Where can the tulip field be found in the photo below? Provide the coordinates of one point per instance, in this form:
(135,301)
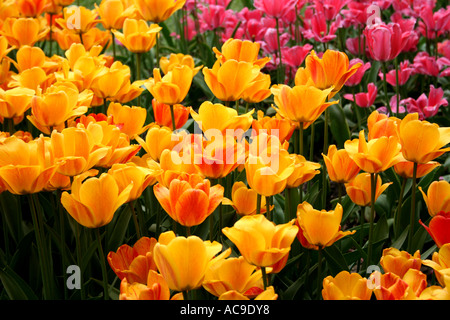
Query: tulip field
(224,150)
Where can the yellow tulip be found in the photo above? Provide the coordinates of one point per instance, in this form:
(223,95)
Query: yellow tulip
(399,262)
(268,294)
(130,119)
(303,171)
(302,103)
(243,199)
(178,59)
(229,80)
(274,125)
(83,203)
(114,12)
(241,50)
(217,119)
(359,189)
(183,261)
(320,228)
(421,140)
(261,242)
(137,36)
(78,19)
(158,10)
(376,155)
(23,31)
(437,197)
(259,90)
(341,168)
(440,263)
(15,102)
(405,168)
(111,81)
(346,286)
(31,8)
(173,87)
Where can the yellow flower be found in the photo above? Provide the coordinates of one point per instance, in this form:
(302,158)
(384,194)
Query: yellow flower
(130,119)
(346,286)
(421,140)
(241,50)
(303,171)
(261,242)
(158,10)
(83,203)
(321,228)
(114,12)
(341,168)
(440,263)
(399,262)
(137,36)
(78,19)
(183,261)
(23,31)
(359,189)
(111,81)
(437,197)
(178,59)
(243,199)
(15,102)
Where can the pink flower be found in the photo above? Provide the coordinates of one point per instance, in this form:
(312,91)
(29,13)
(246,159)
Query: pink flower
(363,99)
(407,25)
(319,29)
(393,105)
(427,106)
(426,64)
(212,17)
(330,8)
(356,14)
(385,41)
(434,24)
(353,44)
(404,72)
(444,48)
(294,56)
(356,78)
(275,8)
(270,42)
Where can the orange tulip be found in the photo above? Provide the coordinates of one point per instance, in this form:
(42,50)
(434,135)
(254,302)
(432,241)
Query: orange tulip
(178,59)
(438,228)
(376,155)
(31,8)
(359,189)
(405,168)
(440,263)
(130,119)
(261,242)
(399,262)
(437,197)
(158,10)
(83,205)
(346,286)
(173,164)
(173,87)
(341,168)
(137,36)
(191,192)
(183,261)
(422,141)
(243,199)
(229,80)
(15,102)
(320,228)
(268,294)
(23,31)
(391,287)
(241,50)
(78,19)
(302,103)
(111,81)
(330,71)
(114,12)
(163,117)
(23,169)
(259,90)
(303,171)
(380,125)
(283,128)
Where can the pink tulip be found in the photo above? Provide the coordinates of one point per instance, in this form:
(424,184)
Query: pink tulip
(427,65)
(294,56)
(393,106)
(363,99)
(357,46)
(330,8)
(212,17)
(275,8)
(407,25)
(356,78)
(319,29)
(427,106)
(434,24)
(405,71)
(385,41)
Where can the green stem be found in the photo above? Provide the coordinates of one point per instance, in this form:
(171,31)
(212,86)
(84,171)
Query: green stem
(399,207)
(311,146)
(258,204)
(319,273)
(386,97)
(103,263)
(280,65)
(373,179)
(268,207)
(264,277)
(186,295)
(78,245)
(172,114)
(361,237)
(300,138)
(63,236)
(138,73)
(135,219)
(113,45)
(413,208)
(397,86)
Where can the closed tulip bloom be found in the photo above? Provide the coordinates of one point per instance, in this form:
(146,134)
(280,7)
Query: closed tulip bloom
(158,10)
(243,199)
(173,87)
(173,164)
(23,31)
(405,168)
(241,50)
(15,102)
(259,90)
(183,261)
(282,127)
(31,8)
(438,228)
(229,80)
(74,150)
(83,202)
(141,177)
(109,83)
(261,242)
(341,168)
(130,119)
(137,36)
(440,263)
(217,117)
(346,286)
(359,189)
(191,192)
(114,12)
(302,103)
(233,274)
(178,59)
(320,228)
(163,117)
(85,19)
(380,125)
(376,155)
(155,288)
(330,71)
(399,262)
(59,103)
(159,138)
(437,197)
(23,169)
(303,171)
(385,41)
(422,141)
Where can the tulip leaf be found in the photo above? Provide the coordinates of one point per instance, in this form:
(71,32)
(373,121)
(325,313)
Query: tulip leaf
(335,259)
(338,125)
(15,287)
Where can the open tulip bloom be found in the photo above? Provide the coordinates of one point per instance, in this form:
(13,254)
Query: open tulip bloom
(224,150)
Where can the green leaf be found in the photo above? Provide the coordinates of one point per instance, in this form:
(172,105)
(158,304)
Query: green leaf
(338,125)
(335,259)
(15,286)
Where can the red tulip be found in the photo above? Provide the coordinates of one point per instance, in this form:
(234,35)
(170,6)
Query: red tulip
(438,228)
